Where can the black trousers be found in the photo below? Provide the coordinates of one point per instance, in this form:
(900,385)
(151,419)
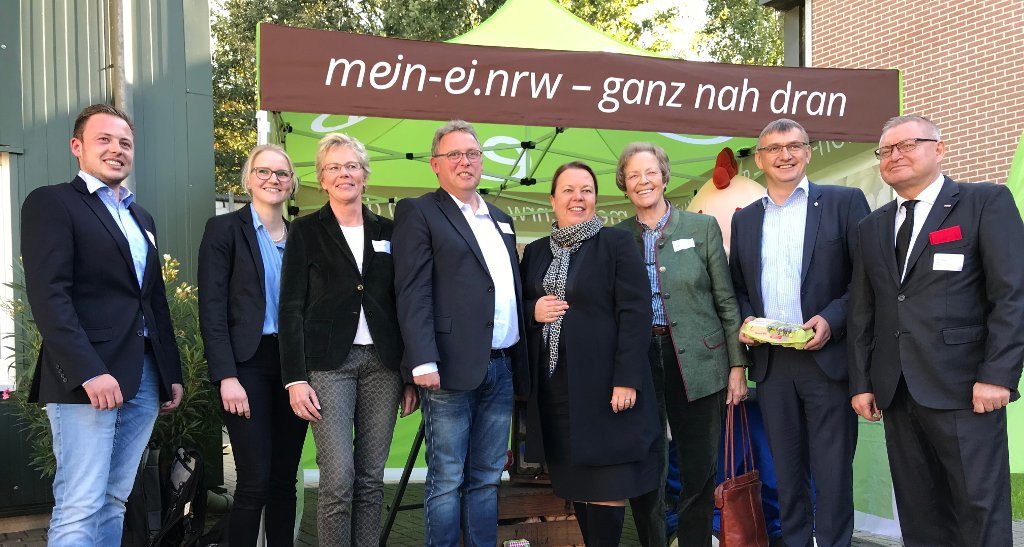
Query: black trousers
(697,429)
(950,472)
(812,432)
(267,447)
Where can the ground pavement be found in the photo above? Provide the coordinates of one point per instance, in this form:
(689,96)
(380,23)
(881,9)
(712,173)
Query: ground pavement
(408,529)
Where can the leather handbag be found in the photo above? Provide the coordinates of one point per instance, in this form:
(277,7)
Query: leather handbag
(739,497)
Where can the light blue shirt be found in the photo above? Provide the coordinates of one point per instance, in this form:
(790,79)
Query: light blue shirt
(782,253)
(118,209)
(651,237)
(123,218)
(271,253)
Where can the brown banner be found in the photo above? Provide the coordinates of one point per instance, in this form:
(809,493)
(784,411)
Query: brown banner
(304,70)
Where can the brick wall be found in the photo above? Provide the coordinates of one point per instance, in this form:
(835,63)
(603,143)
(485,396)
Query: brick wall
(962,64)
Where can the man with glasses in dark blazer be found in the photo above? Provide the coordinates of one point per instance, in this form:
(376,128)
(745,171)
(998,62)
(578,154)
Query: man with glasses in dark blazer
(791,260)
(458,292)
(936,339)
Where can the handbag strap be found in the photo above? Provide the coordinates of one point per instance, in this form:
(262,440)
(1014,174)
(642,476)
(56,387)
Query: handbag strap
(746,441)
(746,444)
(730,446)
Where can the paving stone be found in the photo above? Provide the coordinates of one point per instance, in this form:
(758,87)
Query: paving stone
(408,528)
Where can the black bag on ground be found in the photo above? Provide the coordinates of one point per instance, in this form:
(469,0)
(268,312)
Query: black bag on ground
(184,501)
(144,508)
(218,534)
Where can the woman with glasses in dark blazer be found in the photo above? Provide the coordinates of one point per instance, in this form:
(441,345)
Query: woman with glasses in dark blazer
(239,282)
(340,343)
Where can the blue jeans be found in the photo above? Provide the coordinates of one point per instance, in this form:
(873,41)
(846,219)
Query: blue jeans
(467,440)
(98,454)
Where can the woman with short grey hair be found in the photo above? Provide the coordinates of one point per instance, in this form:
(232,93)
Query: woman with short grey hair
(695,356)
(340,343)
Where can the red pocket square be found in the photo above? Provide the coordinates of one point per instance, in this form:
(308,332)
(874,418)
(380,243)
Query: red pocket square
(945,235)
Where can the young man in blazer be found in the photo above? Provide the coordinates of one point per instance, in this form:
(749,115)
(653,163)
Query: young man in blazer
(937,304)
(458,293)
(791,259)
(109,356)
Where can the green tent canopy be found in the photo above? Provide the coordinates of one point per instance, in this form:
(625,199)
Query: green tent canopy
(1015,178)
(542,24)
(1015,412)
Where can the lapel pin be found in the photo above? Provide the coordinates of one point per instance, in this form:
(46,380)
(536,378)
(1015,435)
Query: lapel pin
(948,205)
(815,203)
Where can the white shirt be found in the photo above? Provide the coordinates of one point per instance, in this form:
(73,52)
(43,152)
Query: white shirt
(492,245)
(925,201)
(354,238)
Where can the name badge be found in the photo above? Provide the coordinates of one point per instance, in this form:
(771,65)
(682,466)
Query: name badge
(506,228)
(381,246)
(947,262)
(152,238)
(680,244)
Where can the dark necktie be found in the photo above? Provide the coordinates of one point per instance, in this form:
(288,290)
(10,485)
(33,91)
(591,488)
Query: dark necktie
(903,236)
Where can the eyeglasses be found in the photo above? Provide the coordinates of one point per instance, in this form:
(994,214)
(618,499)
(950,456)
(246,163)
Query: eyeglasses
(337,168)
(455,156)
(264,173)
(776,149)
(905,147)
(650,174)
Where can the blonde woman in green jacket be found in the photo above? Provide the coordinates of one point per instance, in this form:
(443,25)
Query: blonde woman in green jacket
(696,358)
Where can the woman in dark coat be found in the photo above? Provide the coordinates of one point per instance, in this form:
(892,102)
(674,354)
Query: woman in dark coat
(592,417)
(340,344)
(239,278)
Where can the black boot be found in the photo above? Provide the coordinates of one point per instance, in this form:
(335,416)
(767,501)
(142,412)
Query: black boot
(580,509)
(603,525)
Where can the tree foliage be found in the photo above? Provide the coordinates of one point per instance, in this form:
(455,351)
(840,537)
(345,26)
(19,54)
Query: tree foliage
(742,32)
(234,51)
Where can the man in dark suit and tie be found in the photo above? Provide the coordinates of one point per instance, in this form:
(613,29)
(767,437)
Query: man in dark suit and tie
(791,261)
(936,339)
(109,356)
(458,292)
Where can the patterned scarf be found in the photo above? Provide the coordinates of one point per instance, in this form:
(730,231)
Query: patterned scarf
(564,242)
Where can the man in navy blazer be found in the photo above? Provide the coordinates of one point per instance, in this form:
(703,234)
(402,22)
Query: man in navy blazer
(458,292)
(791,260)
(109,355)
(937,304)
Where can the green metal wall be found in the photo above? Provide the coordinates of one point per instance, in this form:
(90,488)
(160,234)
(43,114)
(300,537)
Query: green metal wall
(54,61)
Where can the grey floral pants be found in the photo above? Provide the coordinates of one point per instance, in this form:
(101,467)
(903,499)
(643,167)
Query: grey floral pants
(359,404)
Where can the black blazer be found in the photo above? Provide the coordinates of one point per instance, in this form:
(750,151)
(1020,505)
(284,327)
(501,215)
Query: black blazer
(322,291)
(446,294)
(85,296)
(829,237)
(942,330)
(232,292)
(605,337)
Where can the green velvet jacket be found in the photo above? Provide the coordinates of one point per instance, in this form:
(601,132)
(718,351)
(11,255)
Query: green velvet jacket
(700,306)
